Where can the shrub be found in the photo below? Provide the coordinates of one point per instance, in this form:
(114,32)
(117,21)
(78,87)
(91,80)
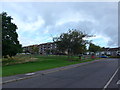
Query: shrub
(17,60)
(114,56)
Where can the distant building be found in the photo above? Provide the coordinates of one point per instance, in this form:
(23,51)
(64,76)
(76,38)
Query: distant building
(51,48)
(111,51)
(29,49)
(45,48)
(107,51)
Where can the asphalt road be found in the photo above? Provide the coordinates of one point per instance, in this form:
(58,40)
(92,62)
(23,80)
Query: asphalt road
(93,75)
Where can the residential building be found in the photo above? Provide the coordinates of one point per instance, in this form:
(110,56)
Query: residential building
(45,48)
(111,51)
(51,48)
(107,51)
(30,49)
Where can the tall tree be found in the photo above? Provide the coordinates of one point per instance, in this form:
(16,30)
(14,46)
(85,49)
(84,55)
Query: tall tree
(0,36)
(35,49)
(72,42)
(10,43)
(94,48)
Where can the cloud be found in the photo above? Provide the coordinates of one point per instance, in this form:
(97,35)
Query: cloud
(30,25)
(38,21)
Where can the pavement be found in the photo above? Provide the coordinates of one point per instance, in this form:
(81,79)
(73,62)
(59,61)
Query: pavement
(40,73)
(95,74)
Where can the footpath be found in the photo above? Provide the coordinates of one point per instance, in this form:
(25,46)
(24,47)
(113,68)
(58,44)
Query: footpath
(40,73)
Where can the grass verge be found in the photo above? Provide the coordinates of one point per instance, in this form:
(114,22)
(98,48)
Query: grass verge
(43,63)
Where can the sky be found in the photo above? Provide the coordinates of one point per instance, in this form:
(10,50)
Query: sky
(39,22)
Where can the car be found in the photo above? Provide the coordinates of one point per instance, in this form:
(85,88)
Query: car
(103,56)
(27,53)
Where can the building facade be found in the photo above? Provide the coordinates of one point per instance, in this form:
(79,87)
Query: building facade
(45,48)
(107,51)
(51,48)
(111,51)
(30,49)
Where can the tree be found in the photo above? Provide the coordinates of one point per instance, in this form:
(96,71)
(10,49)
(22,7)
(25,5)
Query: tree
(0,36)
(94,48)
(72,42)
(10,43)
(35,50)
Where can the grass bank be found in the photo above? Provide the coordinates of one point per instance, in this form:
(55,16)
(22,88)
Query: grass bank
(42,63)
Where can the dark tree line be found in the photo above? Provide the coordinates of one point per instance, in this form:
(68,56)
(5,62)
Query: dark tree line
(10,43)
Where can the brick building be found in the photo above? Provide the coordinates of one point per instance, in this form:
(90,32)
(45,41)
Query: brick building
(47,48)
(30,49)
(44,48)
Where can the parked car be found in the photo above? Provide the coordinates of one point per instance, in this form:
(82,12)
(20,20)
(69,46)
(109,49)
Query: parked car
(103,56)
(27,53)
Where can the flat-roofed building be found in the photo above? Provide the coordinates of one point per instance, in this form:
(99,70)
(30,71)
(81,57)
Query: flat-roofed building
(44,48)
(30,49)
(111,51)
(47,48)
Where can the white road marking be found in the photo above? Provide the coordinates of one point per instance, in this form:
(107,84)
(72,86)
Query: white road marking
(110,79)
(29,73)
(118,82)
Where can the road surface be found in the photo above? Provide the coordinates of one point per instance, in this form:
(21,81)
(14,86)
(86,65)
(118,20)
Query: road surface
(101,74)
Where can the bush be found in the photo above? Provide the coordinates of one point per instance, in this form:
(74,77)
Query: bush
(17,60)
(114,57)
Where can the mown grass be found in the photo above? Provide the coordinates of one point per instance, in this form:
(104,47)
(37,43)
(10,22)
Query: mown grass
(42,63)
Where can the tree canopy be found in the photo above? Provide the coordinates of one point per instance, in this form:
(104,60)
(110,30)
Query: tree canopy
(73,42)
(35,50)
(94,48)
(10,43)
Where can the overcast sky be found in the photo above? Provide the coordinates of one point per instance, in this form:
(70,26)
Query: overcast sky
(38,22)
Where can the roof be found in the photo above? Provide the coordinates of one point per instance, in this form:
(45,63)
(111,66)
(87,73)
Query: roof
(110,49)
(39,44)
(46,43)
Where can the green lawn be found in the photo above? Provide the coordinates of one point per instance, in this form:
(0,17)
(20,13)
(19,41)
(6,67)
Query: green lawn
(43,62)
